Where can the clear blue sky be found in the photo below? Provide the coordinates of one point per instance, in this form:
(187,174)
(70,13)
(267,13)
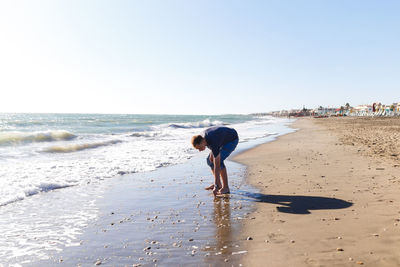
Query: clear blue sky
(196,57)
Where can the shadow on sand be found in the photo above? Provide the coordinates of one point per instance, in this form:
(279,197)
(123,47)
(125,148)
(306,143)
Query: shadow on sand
(295,204)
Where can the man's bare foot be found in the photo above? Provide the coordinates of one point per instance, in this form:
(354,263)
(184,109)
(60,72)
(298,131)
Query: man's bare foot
(211,187)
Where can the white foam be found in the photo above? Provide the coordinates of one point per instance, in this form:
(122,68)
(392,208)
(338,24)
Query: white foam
(37,228)
(19,190)
(143,134)
(78,147)
(199,124)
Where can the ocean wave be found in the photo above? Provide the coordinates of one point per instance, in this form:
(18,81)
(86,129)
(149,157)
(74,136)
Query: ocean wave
(199,124)
(45,187)
(11,138)
(246,139)
(79,147)
(143,134)
(34,190)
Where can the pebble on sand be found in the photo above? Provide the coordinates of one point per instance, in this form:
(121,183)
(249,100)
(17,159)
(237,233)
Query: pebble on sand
(340,249)
(249,238)
(97,263)
(239,252)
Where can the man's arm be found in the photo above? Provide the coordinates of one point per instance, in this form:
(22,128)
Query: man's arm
(217,170)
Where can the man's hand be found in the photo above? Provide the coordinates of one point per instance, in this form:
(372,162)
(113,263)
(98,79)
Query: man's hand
(223,190)
(215,191)
(217,170)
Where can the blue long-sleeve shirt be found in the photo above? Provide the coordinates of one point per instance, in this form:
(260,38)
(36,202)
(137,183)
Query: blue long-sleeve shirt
(218,136)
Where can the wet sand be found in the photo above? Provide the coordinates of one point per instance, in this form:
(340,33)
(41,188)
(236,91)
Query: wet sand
(326,197)
(168,219)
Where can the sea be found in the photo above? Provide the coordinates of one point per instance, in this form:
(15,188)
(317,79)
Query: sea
(50,164)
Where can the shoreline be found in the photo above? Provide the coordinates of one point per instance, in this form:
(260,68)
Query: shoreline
(321,202)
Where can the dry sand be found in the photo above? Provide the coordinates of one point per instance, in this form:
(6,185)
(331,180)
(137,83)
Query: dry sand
(330,195)
(375,137)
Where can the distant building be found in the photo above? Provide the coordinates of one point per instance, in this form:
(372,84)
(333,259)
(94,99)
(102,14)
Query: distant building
(375,109)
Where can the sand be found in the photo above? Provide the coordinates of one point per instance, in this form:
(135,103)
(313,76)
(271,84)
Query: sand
(329,195)
(375,137)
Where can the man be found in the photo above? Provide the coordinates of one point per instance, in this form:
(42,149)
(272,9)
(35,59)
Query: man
(221,141)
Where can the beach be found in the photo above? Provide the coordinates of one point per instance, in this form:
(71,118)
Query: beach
(313,192)
(328,195)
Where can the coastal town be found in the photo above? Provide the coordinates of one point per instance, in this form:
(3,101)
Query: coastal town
(371,110)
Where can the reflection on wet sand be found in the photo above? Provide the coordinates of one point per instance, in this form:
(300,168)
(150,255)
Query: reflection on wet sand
(222,220)
(220,253)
